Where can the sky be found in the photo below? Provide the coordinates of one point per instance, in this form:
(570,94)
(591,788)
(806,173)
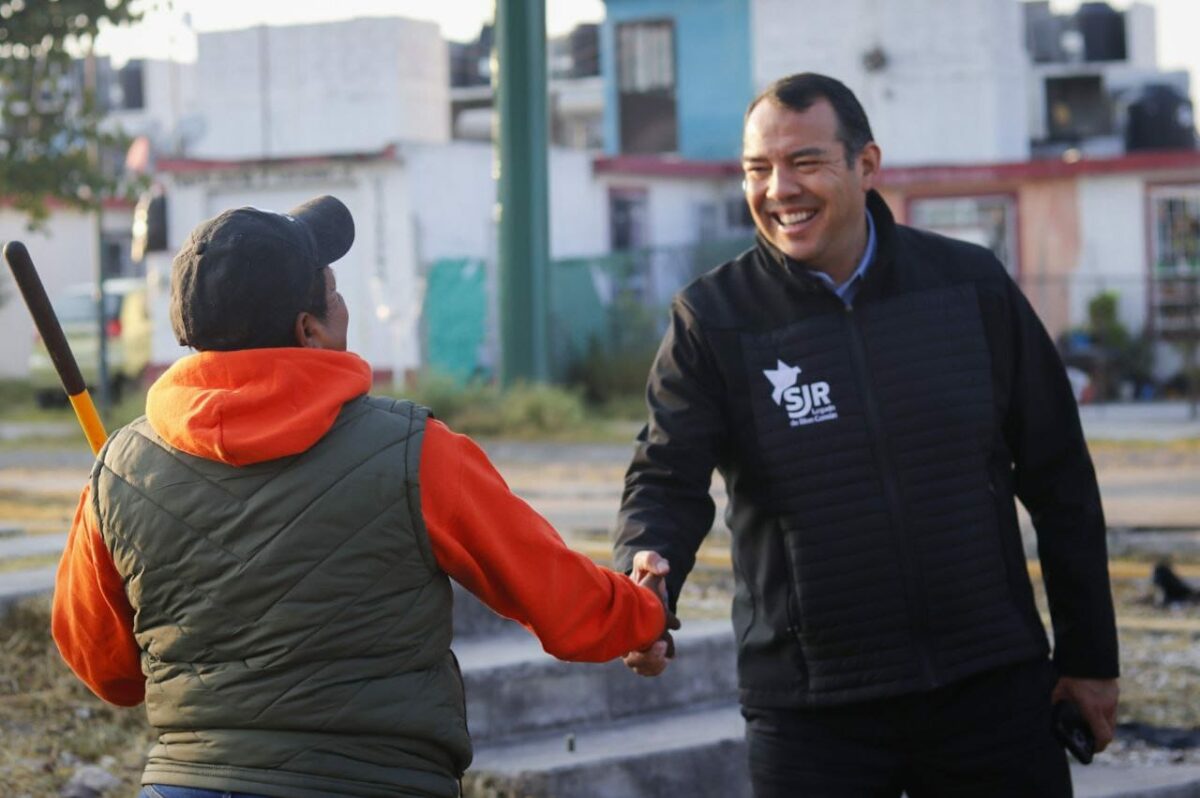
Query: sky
(161,33)
(164,34)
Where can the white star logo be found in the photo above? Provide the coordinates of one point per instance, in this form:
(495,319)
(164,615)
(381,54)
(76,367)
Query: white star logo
(782,377)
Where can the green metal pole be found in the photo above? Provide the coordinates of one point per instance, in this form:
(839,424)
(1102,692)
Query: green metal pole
(522,188)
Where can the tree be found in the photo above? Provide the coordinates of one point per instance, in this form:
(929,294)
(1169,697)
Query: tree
(50,134)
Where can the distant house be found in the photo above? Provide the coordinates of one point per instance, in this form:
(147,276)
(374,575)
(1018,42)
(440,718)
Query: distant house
(1052,139)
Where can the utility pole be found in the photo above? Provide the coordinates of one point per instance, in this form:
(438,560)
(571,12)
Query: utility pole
(519,80)
(103,395)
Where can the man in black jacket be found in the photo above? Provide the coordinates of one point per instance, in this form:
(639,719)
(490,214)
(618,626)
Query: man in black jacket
(875,397)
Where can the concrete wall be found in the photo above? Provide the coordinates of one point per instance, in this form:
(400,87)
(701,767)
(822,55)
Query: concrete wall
(1141,35)
(433,201)
(453,196)
(953,87)
(333,87)
(64,251)
(377,277)
(1049,228)
(1112,256)
(674,205)
(712,71)
(168,116)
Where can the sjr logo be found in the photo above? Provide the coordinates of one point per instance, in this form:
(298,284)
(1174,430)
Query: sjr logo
(805,404)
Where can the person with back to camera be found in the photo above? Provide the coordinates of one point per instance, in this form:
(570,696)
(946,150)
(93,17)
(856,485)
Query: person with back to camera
(263,557)
(875,397)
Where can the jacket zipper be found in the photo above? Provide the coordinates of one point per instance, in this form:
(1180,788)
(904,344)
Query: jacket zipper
(919,624)
(794,610)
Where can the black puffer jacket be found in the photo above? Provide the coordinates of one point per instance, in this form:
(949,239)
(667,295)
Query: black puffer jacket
(872,455)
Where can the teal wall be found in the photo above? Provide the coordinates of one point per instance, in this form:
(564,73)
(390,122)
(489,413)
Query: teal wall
(714,83)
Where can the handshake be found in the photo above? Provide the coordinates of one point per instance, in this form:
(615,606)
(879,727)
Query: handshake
(650,570)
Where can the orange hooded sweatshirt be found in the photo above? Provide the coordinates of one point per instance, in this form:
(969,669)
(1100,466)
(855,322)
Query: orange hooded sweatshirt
(254,405)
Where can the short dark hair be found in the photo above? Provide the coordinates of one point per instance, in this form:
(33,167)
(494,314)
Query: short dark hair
(798,92)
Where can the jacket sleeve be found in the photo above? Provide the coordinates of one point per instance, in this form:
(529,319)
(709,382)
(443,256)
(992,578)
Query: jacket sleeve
(495,545)
(91,619)
(1055,480)
(666,505)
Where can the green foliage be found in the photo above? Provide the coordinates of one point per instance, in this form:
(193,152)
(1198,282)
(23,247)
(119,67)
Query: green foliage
(534,409)
(50,136)
(612,378)
(613,371)
(524,411)
(1128,357)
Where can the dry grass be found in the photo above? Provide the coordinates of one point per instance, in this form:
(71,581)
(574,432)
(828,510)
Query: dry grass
(20,506)
(49,722)
(24,563)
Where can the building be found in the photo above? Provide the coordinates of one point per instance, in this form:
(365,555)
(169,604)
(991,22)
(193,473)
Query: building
(1095,85)
(1054,140)
(677,76)
(575,90)
(310,90)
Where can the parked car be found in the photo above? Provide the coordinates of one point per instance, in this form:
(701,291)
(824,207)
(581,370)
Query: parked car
(127,335)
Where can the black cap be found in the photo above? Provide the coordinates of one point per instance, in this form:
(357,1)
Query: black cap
(242,277)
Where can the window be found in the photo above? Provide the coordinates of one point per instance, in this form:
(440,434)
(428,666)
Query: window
(989,221)
(627,219)
(1077,108)
(1175,242)
(646,87)
(1175,214)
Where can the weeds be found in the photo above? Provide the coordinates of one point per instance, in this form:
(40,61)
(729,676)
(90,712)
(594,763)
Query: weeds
(49,722)
(522,412)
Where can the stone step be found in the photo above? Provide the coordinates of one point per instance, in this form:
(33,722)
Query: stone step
(697,752)
(701,752)
(12,548)
(1138,781)
(17,585)
(515,688)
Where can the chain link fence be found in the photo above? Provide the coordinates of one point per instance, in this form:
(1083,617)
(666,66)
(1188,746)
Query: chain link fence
(1123,337)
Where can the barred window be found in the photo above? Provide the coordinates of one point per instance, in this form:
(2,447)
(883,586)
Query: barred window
(1175,214)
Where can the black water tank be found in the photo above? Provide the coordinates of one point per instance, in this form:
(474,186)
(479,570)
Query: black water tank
(585,50)
(1160,119)
(1103,30)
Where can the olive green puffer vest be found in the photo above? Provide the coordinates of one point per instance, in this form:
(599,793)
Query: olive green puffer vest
(294,625)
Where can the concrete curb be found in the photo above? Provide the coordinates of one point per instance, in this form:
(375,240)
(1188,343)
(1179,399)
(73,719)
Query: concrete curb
(1107,781)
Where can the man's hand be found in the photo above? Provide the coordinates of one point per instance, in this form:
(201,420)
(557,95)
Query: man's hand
(1097,702)
(649,569)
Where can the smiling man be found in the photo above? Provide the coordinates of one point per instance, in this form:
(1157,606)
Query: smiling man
(875,398)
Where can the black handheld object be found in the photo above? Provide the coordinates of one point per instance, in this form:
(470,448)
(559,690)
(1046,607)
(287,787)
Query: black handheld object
(34,293)
(1073,731)
(30,286)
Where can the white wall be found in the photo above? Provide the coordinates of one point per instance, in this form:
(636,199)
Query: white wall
(953,87)
(673,204)
(1112,252)
(453,195)
(1141,36)
(377,276)
(170,97)
(335,87)
(64,252)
